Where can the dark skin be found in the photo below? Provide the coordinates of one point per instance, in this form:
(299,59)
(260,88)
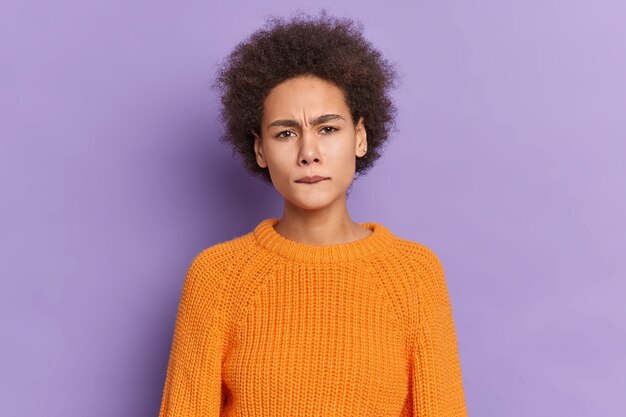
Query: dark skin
(307,130)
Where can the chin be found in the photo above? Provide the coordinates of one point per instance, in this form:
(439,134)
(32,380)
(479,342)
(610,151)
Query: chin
(310,201)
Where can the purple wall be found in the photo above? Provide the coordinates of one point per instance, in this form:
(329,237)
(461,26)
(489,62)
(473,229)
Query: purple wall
(509,163)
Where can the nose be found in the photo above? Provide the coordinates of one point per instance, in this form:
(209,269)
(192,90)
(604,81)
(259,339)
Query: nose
(309,149)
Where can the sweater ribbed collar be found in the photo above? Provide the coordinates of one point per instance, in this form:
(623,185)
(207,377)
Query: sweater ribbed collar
(267,237)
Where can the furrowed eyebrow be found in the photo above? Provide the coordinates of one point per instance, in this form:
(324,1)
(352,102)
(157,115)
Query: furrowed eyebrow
(293,123)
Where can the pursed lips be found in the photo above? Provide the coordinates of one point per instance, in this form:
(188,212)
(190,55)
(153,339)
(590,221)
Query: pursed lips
(311,180)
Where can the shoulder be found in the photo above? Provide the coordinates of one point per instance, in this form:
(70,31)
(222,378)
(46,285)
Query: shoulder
(417,255)
(210,270)
(229,270)
(213,279)
(224,252)
(212,264)
(425,275)
(428,295)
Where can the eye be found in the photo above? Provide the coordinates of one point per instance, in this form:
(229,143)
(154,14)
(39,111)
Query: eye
(280,135)
(329,127)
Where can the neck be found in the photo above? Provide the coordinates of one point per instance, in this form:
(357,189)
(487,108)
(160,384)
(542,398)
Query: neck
(327,226)
(379,241)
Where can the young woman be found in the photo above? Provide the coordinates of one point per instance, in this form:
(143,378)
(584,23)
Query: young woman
(312,314)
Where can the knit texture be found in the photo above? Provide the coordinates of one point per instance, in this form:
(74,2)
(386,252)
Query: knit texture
(268,326)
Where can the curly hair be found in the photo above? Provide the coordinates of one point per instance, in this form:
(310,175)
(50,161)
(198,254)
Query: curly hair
(330,48)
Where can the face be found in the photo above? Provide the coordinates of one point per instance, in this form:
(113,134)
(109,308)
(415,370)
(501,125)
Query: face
(307,130)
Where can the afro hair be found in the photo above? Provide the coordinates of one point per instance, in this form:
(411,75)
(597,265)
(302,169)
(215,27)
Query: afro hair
(330,48)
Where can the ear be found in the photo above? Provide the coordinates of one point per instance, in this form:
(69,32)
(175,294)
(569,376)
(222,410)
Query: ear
(361,138)
(258,150)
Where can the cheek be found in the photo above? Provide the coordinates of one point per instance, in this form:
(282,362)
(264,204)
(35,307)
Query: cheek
(346,154)
(343,162)
(280,165)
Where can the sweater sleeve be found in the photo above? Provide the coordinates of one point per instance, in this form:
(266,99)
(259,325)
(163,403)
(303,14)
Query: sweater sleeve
(193,379)
(436,378)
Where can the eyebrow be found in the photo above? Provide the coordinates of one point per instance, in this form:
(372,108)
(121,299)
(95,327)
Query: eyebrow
(294,123)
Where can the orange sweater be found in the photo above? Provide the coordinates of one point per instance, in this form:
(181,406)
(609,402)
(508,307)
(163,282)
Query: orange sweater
(268,326)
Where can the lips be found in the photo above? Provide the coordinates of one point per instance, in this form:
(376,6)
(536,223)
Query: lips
(311,180)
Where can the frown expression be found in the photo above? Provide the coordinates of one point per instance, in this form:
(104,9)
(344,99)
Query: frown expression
(307,130)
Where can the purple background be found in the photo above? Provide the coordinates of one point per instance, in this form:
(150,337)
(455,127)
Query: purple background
(509,163)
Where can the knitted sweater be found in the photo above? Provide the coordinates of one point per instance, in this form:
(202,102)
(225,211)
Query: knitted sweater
(268,326)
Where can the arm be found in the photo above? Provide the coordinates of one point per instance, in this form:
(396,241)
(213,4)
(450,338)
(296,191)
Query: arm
(193,380)
(437,385)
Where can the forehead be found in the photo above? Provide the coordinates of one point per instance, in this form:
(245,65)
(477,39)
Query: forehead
(304,94)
